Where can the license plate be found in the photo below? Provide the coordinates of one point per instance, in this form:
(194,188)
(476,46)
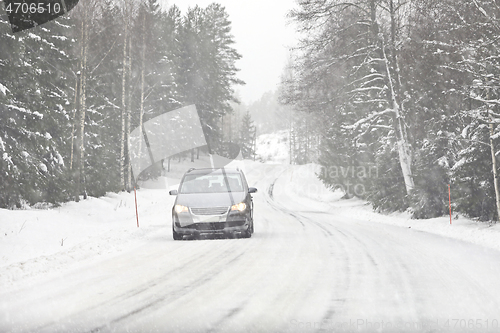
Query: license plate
(210,219)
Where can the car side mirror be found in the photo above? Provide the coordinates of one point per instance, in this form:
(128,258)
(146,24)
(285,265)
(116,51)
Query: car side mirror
(173,192)
(252,190)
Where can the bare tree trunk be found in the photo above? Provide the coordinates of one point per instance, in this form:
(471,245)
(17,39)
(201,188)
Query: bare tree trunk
(75,114)
(124,107)
(495,172)
(83,98)
(394,81)
(81,105)
(129,118)
(143,69)
(125,166)
(75,170)
(404,151)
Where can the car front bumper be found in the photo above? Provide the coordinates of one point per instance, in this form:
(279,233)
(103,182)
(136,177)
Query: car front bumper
(233,224)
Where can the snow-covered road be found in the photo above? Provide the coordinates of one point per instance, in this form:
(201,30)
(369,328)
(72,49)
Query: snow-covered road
(305,269)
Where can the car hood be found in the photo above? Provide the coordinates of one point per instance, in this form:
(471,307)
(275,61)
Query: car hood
(203,200)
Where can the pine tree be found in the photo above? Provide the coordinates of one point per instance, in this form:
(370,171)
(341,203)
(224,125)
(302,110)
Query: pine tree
(208,71)
(471,49)
(103,117)
(68,108)
(247,136)
(34,103)
(349,71)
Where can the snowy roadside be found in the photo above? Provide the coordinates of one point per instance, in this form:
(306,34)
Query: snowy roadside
(35,241)
(302,183)
(273,147)
(38,241)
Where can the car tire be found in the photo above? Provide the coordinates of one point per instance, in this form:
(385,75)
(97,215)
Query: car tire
(176,235)
(248,232)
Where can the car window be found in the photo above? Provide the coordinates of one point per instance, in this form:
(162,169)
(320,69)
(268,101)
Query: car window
(211,184)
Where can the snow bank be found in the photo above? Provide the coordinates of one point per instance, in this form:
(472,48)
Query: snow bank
(302,185)
(35,240)
(273,148)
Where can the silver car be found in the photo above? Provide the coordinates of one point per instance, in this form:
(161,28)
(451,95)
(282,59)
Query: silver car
(213,202)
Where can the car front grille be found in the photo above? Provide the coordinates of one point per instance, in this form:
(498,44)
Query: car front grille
(209,211)
(216,226)
(209,226)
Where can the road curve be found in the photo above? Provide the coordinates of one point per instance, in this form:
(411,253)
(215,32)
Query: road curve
(304,270)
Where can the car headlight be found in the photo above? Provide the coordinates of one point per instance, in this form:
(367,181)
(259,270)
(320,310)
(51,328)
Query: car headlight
(181,209)
(241,206)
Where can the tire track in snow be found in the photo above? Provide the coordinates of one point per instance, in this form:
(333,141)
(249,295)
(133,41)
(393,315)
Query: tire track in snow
(216,265)
(340,285)
(144,297)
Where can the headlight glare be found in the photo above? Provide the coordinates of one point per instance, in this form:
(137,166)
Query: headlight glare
(240,207)
(181,209)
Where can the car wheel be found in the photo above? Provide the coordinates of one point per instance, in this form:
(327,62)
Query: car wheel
(248,232)
(176,235)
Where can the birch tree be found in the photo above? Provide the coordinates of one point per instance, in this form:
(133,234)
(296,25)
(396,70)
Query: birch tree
(349,68)
(84,14)
(128,8)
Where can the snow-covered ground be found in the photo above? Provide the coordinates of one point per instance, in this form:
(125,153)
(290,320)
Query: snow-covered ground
(316,263)
(302,182)
(36,241)
(273,148)
(41,240)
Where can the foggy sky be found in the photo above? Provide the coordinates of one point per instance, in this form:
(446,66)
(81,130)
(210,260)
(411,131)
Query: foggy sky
(262,37)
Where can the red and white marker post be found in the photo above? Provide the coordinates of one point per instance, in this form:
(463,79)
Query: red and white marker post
(136,212)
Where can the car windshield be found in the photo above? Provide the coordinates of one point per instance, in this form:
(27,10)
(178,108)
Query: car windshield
(211,183)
